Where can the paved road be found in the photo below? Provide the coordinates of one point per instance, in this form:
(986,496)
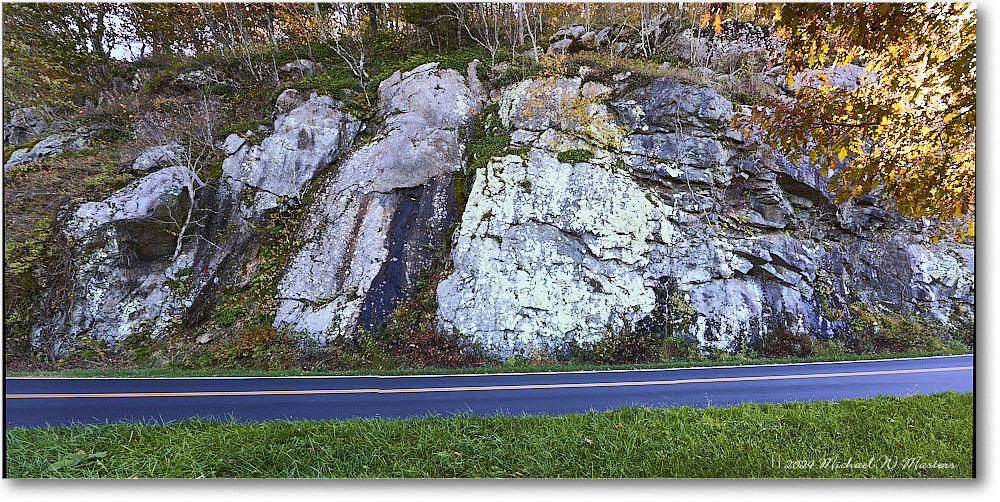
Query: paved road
(33,402)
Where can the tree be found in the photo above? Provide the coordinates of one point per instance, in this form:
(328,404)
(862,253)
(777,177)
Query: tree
(191,153)
(485,24)
(48,47)
(348,39)
(909,132)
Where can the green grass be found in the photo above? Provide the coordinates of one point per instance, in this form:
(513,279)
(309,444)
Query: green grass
(748,440)
(509,368)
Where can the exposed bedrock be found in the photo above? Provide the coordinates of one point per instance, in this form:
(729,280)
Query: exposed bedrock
(675,226)
(381,218)
(130,273)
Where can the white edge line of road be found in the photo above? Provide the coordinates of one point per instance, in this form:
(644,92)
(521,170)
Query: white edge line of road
(487,374)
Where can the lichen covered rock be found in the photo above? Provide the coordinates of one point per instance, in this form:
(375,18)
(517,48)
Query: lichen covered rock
(51,145)
(547,254)
(682,227)
(123,248)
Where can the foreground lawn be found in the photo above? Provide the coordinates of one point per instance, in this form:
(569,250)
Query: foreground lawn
(916,436)
(509,368)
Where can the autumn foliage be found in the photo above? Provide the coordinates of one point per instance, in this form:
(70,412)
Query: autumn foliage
(907,133)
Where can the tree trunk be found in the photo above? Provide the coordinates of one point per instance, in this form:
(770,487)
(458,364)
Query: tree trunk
(319,22)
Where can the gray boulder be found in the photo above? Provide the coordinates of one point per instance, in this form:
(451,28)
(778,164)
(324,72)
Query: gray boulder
(233,143)
(299,68)
(560,46)
(306,139)
(23,125)
(587,41)
(158,157)
(671,106)
(131,274)
(536,105)
(196,79)
(51,145)
(123,249)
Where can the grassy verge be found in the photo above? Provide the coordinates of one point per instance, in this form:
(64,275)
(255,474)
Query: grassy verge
(916,436)
(513,368)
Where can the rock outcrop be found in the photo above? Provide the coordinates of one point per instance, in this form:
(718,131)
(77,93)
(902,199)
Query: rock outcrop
(299,68)
(124,258)
(158,157)
(306,139)
(23,125)
(52,145)
(722,51)
(675,225)
(377,223)
(132,276)
(618,207)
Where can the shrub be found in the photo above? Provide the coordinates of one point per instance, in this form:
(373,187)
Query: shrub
(785,342)
(332,82)
(623,346)
(489,138)
(575,155)
(880,332)
(829,348)
(260,347)
(411,336)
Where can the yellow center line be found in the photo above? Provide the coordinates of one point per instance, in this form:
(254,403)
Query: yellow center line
(481,388)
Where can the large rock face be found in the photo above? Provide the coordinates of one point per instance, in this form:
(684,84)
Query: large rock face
(642,212)
(129,276)
(124,248)
(547,253)
(306,139)
(379,220)
(674,226)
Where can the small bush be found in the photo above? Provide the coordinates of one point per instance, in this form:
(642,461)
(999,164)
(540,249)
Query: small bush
(784,342)
(879,332)
(679,348)
(488,139)
(332,82)
(241,127)
(623,346)
(575,155)
(670,59)
(829,348)
(262,348)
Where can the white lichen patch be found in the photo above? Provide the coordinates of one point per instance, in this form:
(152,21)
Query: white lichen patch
(729,310)
(547,254)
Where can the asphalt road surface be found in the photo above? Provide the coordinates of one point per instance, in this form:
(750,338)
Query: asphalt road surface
(33,402)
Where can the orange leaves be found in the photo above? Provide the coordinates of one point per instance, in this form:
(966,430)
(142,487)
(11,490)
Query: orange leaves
(715,20)
(908,133)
